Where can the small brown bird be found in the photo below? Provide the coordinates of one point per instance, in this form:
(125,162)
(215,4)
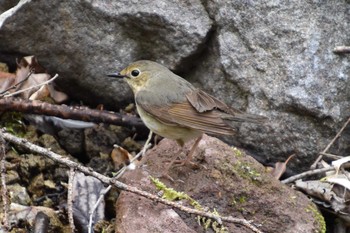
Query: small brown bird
(173,108)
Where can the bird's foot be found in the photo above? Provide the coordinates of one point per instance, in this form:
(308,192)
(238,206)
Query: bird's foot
(180,163)
(176,163)
(165,175)
(185,162)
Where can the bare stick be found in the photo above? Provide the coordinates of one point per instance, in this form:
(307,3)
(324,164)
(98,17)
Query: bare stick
(145,147)
(70,199)
(119,174)
(312,172)
(307,173)
(313,166)
(66,112)
(3,184)
(102,194)
(341,49)
(332,156)
(32,87)
(62,160)
(7,14)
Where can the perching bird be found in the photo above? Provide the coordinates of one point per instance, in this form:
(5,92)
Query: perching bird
(173,108)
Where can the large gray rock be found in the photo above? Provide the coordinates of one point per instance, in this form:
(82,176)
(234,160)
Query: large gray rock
(273,58)
(83,40)
(277,59)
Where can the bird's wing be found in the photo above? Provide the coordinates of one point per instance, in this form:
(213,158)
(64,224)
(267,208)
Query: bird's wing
(204,102)
(184,114)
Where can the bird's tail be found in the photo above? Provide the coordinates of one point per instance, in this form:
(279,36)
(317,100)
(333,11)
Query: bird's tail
(245,117)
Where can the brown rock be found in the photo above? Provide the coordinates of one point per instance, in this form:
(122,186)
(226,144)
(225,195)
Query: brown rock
(227,180)
(138,214)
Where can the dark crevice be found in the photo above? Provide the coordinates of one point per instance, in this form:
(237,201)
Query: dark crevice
(191,62)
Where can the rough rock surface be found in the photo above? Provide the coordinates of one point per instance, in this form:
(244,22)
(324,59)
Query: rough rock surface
(227,180)
(84,41)
(137,214)
(274,58)
(277,59)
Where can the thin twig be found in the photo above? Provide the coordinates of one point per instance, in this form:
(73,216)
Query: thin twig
(117,176)
(311,172)
(332,156)
(100,198)
(313,166)
(107,180)
(341,49)
(4,197)
(146,146)
(70,199)
(10,12)
(307,173)
(32,87)
(3,93)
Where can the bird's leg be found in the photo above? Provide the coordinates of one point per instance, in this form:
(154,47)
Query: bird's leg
(165,173)
(189,155)
(183,162)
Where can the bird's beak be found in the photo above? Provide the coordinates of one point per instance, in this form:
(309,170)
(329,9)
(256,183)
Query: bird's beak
(116,75)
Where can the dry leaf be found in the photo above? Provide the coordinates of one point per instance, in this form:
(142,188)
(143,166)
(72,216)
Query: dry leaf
(338,163)
(121,157)
(86,191)
(40,94)
(30,74)
(280,168)
(4,67)
(57,96)
(24,67)
(6,80)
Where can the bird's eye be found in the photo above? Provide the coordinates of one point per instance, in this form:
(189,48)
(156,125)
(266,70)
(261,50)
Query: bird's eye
(135,73)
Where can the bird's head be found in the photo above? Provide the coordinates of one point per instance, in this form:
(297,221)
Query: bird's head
(138,73)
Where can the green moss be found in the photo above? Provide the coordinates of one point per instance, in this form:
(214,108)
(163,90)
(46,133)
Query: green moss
(214,225)
(246,171)
(293,200)
(169,193)
(172,195)
(237,202)
(318,217)
(12,121)
(237,152)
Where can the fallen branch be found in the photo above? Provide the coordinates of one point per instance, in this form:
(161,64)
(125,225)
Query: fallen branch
(307,173)
(70,199)
(107,180)
(312,172)
(341,49)
(10,12)
(117,176)
(66,112)
(332,156)
(4,193)
(313,166)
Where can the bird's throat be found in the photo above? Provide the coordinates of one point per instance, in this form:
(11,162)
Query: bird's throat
(137,84)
